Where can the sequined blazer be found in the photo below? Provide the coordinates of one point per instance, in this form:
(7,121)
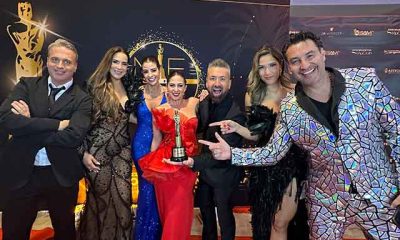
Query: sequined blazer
(352,151)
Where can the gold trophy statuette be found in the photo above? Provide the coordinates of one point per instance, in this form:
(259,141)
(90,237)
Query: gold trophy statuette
(178,152)
(28,37)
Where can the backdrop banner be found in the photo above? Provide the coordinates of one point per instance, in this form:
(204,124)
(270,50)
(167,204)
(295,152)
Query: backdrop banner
(183,34)
(355,36)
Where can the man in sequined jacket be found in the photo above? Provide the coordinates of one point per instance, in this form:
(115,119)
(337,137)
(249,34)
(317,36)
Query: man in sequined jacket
(343,118)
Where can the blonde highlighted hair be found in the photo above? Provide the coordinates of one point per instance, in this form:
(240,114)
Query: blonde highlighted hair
(256,87)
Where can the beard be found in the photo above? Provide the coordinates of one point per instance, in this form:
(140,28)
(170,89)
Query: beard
(219,98)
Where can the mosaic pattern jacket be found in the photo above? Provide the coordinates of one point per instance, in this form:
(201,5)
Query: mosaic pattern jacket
(365,116)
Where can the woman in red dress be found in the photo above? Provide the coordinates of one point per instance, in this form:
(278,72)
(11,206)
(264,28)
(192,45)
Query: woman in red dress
(173,183)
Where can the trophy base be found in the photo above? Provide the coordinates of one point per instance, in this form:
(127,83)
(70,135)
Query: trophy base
(178,154)
(178,159)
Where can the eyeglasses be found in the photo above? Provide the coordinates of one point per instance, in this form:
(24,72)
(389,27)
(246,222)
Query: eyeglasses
(56,61)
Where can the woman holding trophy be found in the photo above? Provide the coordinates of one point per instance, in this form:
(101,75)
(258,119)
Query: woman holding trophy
(174,137)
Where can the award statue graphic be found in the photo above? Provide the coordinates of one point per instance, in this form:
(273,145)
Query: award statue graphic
(178,152)
(28,37)
(160,56)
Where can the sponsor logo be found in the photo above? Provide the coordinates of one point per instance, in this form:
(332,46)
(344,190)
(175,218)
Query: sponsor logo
(363,33)
(331,32)
(332,52)
(391,51)
(393,31)
(392,70)
(361,51)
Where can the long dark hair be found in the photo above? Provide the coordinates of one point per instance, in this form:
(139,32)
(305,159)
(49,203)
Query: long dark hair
(101,89)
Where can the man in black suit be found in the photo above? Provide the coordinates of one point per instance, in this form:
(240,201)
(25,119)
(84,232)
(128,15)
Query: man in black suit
(48,118)
(219,180)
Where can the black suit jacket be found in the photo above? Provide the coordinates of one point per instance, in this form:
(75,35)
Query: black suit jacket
(218,173)
(40,130)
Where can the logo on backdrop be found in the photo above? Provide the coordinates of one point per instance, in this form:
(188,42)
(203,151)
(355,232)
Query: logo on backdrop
(391,51)
(392,70)
(331,32)
(172,56)
(28,37)
(362,51)
(393,31)
(332,52)
(363,33)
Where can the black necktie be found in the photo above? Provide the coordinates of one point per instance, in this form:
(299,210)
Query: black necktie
(53,93)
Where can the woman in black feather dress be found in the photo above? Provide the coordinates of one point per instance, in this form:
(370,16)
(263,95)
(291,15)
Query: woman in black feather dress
(274,191)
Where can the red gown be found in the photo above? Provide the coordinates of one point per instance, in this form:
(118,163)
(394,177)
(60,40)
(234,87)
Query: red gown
(173,184)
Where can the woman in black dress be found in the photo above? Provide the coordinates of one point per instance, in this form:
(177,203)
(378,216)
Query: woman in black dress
(275,190)
(107,154)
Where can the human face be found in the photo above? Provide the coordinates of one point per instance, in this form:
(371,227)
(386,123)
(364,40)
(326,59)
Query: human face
(269,69)
(306,62)
(176,88)
(119,65)
(218,83)
(61,64)
(151,73)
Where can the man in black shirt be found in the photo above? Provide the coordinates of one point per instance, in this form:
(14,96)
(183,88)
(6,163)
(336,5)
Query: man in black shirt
(218,180)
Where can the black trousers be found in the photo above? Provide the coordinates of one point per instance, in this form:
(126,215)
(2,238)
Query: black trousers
(208,198)
(22,205)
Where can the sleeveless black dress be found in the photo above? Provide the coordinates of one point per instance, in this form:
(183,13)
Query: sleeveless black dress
(267,186)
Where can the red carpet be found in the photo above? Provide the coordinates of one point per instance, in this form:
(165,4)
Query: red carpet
(47,234)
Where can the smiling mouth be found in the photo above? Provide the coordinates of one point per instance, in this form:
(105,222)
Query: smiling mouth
(309,71)
(152,79)
(217,91)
